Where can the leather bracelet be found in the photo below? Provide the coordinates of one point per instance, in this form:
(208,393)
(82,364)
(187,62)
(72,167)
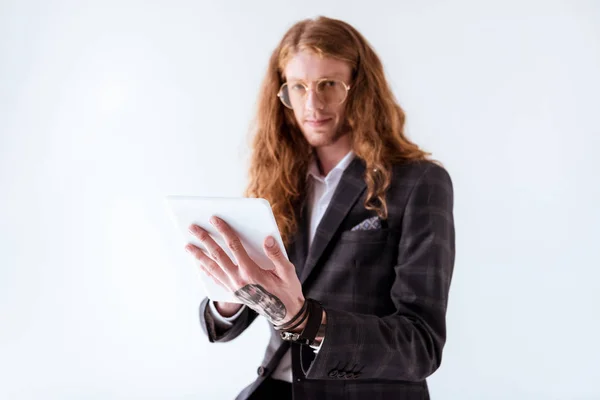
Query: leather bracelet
(309,333)
(307,336)
(288,324)
(297,324)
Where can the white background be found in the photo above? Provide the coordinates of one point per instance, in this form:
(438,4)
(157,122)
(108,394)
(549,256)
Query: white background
(106,107)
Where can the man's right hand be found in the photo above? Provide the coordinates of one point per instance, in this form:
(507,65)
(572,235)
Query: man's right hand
(227,309)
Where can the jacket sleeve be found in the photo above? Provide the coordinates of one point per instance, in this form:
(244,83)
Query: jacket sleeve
(407,344)
(214,331)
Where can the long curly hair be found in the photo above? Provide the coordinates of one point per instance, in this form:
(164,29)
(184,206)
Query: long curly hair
(280,153)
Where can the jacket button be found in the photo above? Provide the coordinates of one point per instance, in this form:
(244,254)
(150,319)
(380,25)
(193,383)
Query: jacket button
(356,374)
(261,371)
(333,373)
(341,374)
(349,375)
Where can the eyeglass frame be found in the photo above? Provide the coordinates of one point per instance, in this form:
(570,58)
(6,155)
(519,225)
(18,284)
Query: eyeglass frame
(307,88)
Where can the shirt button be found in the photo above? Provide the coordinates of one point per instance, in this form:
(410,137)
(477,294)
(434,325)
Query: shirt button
(261,371)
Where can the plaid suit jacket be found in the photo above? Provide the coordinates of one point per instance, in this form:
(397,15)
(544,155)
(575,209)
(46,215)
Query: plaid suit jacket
(385,291)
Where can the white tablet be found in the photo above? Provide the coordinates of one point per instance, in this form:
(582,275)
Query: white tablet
(252,219)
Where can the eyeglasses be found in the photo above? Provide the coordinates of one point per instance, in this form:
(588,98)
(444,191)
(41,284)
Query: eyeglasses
(329,92)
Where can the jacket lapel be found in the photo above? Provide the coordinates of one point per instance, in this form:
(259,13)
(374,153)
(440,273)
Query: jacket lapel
(300,242)
(349,189)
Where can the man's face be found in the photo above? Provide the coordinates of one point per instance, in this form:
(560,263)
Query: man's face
(320,121)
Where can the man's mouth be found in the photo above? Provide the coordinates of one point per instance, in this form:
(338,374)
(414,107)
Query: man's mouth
(317,122)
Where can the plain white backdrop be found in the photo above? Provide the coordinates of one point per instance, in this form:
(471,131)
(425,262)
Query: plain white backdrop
(108,106)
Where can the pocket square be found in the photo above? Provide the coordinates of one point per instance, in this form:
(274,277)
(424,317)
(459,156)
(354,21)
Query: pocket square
(368,224)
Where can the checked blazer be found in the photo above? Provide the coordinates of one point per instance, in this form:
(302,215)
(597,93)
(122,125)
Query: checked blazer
(385,290)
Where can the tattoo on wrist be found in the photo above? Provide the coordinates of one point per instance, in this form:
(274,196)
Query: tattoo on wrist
(261,301)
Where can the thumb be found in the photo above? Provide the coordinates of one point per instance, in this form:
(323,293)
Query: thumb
(275,254)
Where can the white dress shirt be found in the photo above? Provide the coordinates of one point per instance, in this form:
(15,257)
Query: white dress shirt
(322,189)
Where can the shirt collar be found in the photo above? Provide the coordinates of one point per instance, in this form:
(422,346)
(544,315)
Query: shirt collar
(313,168)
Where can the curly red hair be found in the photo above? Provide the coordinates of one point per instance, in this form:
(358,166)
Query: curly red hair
(280,153)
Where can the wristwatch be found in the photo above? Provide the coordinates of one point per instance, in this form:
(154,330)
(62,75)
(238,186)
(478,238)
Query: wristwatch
(309,333)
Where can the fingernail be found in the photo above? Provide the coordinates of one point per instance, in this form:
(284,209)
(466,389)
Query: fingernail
(214,220)
(270,241)
(188,249)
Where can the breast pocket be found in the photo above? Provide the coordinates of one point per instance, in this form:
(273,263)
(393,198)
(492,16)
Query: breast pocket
(368,235)
(364,246)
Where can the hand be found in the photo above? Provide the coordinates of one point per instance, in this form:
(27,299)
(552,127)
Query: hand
(275,294)
(226,309)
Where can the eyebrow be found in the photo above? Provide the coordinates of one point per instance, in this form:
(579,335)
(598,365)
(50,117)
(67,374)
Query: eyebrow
(336,75)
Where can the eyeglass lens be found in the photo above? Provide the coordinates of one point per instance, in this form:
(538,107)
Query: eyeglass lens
(329,91)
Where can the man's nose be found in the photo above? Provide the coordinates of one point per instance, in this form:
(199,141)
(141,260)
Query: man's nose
(313,102)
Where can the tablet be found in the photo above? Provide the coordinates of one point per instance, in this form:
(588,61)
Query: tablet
(251,218)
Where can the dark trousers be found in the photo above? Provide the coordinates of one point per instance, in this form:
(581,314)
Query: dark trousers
(273,389)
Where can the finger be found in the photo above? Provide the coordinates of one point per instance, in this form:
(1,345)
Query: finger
(232,240)
(273,251)
(214,250)
(206,270)
(215,280)
(209,266)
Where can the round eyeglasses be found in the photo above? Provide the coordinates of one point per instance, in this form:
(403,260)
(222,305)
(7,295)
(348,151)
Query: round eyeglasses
(329,92)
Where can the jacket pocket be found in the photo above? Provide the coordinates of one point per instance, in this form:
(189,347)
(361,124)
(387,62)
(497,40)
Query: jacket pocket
(367,235)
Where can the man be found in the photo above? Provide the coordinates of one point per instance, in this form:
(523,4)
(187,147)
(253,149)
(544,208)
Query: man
(359,309)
